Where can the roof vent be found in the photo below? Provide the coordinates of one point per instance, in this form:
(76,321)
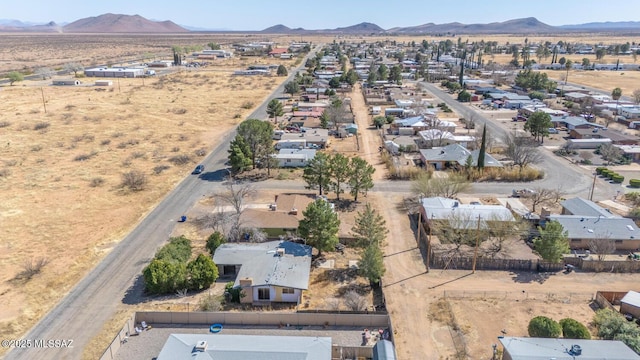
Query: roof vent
(575,350)
(201,346)
(630,228)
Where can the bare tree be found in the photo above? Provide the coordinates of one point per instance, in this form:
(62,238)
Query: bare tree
(73,67)
(449,187)
(459,229)
(586,156)
(610,153)
(354,301)
(45,72)
(522,150)
(602,244)
(502,234)
(235,195)
(542,196)
(636,96)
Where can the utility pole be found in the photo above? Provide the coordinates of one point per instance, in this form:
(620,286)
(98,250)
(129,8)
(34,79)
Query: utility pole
(475,252)
(429,243)
(44,103)
(593,187)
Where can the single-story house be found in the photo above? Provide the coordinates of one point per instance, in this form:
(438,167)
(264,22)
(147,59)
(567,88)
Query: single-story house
(526,348)
(114,72)
(274,271)
(616,137)
(64,82)
(577,97)
(573,122)
(454,155)
(295,157)
(631,151)
(584,207)
(587,143)
(583,229)
(297,143)
(529,110)
(437,137)
(462,216)
(630,304)
(632,112)
(282,217)
(244,347)
(317,137)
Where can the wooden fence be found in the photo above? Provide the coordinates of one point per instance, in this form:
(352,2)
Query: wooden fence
(607,299)
(463,262)
(591,265)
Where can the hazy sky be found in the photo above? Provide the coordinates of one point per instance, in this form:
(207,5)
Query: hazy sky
(323,14)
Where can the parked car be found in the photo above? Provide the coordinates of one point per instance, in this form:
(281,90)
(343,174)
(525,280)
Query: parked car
(553,131)
(198,170)
(522,193)
(519,118)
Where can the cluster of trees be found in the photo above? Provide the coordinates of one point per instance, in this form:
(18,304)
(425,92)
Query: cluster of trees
(336,172)
(534,80)
(538,125)
(383,73)
(171,271)
(544,327)
(370,232)
(252,146)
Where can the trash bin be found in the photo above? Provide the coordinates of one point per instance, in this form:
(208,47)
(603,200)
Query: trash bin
(183,218)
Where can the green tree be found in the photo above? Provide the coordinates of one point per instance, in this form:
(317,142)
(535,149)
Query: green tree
(291,88)
(586,63)
(538,125)
(165,277)
(334,83)
(239,155)
(320,226)
(370,227)
(600,53)
(317,174)
(552,243)
(573,329)
(379,121)
(351,77)
(567,65)
(324,120)
(383,72)
(360,179)
(371,264)
(395,74)
(213,46)
(15,77)
(275,109)
(464,96)
(282,70)
(483,148)
(616,94)
(372,78)
(544,327)
(340,173)
(214,241)
(258,135)
(202,272)
(177,250)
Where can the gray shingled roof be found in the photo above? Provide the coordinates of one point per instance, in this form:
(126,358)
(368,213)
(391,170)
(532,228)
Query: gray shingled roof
(522,348)
(580,206)
(246,347)
(260,263)
(590,227)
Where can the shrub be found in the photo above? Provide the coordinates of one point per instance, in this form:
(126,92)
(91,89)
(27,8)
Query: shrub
(36,148)
(611,174)
(201,152)
(612,325)
(180,159)
(31,268)
(572,329)
(41,125)
(202,272)
(617,178)
(605,172)
(178,249)
(5,172)
(600,169)
(134,180)
(84,157)
(354,301)
(4,124)
(214,241)
(544,327)
(634,183)
(234,293)
(210,302)
(105,142)
(159,169)
(162,277)
(247,105)
(97,181)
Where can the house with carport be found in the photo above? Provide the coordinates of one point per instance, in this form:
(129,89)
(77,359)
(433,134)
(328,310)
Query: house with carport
(454,156)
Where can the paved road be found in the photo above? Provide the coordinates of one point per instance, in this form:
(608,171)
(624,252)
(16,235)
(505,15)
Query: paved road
(559,173)
(91,303)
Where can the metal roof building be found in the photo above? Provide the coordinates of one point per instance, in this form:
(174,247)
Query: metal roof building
(522,348)
(245,347)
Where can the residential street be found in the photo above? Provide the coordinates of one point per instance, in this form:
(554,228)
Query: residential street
(81,314)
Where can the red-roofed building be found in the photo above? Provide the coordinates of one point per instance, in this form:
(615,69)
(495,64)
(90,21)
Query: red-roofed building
(278,51)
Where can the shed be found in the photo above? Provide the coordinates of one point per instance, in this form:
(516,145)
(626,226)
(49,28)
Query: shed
(630,304)
(104,83)
(351,128)
(384,350)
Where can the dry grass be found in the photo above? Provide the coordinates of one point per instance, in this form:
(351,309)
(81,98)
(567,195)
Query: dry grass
(83,168)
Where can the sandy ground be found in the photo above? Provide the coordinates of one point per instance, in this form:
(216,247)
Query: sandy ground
(53,207)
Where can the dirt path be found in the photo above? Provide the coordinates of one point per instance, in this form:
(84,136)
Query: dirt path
(369,137)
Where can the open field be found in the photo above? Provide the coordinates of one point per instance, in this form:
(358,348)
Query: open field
(60,188)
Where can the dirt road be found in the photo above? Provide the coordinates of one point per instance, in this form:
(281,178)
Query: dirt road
(369,137)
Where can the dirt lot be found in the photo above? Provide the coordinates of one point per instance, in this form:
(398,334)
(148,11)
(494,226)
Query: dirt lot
(61,169)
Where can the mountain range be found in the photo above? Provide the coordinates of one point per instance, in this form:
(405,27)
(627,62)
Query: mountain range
(118,23)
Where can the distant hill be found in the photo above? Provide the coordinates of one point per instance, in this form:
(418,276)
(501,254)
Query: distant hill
(608,25)
(365,27)
(117,23)
(277,29)
(18,26)
(516,26)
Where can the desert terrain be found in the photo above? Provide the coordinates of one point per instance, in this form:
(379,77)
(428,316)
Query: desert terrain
(62,167)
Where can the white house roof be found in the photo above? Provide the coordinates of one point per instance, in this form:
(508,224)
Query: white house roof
(592,227)
(522,348)
(464,216)
(260,262)
(245,347)
(457,153)
(632,298)
(584,207)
